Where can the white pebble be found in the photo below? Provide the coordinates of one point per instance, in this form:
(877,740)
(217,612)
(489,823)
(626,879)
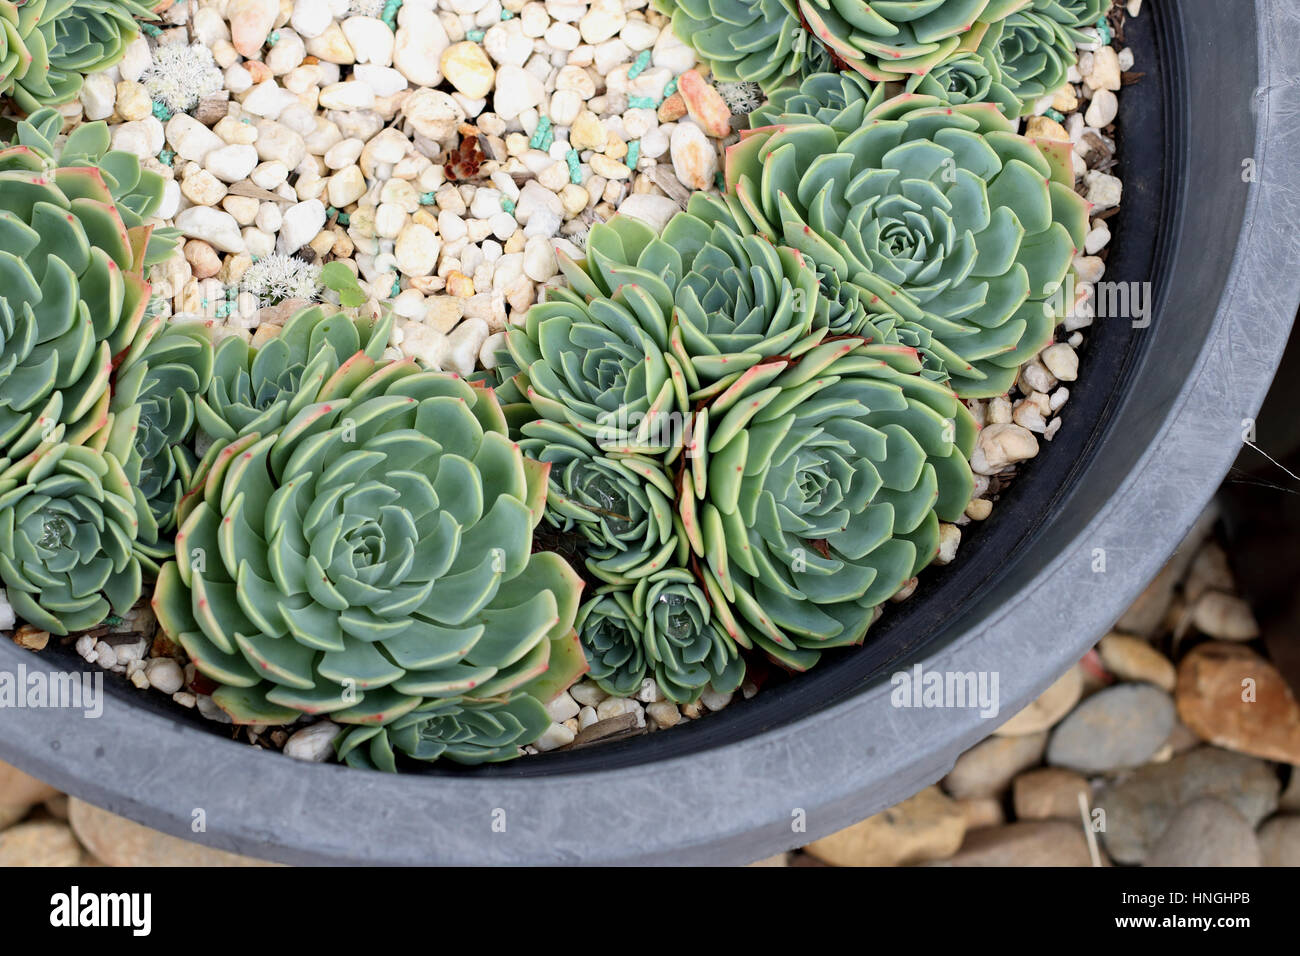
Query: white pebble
(165,675)
(314,743)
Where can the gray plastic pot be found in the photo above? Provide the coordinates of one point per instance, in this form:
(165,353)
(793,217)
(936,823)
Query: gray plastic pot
(1210,219)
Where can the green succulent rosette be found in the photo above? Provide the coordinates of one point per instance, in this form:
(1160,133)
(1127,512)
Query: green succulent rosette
(844,307)
(712,301)
(959,224)
(72,292)
(463,731)
(815,492)
(1033,51)
(370,556)
(840,100)
(755,41)
(260,389)
(153,422)
(68,522)
(611,632)
(48,46)
(621,504)
(1075,15)
(968,76)
(890,40)
(663,627)
(116,176)
(593,356)
(685,646)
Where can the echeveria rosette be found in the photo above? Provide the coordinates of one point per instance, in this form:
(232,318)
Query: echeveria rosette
(136,192)
(664,627)
(259,389)
(1075,15)
(593,356)
(755,41)
(371,556)
(1033,51)
(611,632)
(844,307)
(153,421)
(968,76)
(890,40)
(72,292)
(685,646)
(815,492)
(48,46)
(737,299)
(464,731)
(841,100)
(68,522)
(962,226)
(650,323)
(621,504)
(716,299)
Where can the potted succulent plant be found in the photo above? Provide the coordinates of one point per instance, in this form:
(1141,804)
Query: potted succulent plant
(717,445)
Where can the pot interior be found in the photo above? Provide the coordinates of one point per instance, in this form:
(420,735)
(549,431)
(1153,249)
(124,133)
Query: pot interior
(1174,240)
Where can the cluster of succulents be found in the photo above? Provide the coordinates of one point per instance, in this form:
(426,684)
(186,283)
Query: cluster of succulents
(755,419)
(1007,52)
(748,425)
(747,446)
(323,529)
(76,504)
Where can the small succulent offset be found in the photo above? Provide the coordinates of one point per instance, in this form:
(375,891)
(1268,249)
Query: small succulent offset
(621,504)
(609,627)
(841,100)
(369,556)
(1030,53)
(68,521)
(48,46)
(968,228)
(72,292)
(597,365)
(665,627)
(968,76)
(260,389)
(153,423)
(757,41)
(1034,54)
(1075,15)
